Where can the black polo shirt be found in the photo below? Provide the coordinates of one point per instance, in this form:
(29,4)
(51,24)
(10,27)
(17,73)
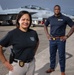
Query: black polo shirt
(23,43)
(58,24)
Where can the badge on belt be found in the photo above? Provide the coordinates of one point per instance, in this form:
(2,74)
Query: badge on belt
(21,63)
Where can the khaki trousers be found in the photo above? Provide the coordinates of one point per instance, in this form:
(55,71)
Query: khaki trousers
(27,69)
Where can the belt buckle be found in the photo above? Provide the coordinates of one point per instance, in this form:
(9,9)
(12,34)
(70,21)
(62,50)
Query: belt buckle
(21,63)
(54,38)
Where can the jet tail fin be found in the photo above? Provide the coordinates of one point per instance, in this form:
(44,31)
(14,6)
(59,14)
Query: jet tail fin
(1,8)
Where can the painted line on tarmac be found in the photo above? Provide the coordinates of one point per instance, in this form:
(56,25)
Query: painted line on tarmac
(42,51)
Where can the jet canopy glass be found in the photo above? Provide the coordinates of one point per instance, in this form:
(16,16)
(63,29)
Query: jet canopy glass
(33,7)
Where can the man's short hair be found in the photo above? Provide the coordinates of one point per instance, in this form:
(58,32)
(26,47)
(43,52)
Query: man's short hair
(57,6)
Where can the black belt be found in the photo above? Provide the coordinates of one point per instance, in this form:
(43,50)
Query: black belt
(22,61)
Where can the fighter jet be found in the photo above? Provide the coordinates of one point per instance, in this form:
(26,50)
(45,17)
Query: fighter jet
(39,14)
(8,15)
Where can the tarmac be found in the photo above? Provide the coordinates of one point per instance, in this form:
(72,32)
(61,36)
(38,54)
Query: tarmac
(43,62)
(42,56)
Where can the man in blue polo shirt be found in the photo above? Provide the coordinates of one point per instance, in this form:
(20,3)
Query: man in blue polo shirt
(57,37)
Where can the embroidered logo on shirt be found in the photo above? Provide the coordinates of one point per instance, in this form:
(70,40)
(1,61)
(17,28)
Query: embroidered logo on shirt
(32,38)
(60,19)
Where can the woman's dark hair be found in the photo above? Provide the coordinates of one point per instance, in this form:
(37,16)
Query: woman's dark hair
(20,14)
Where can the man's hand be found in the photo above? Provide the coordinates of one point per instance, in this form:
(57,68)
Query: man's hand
(64,38)
(8,65)
(48,36)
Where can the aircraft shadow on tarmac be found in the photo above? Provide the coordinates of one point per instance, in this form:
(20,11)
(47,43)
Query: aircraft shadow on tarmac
(42,70)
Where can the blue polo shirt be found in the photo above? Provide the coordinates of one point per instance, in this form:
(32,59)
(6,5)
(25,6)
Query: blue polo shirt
(23,43)
(58,24)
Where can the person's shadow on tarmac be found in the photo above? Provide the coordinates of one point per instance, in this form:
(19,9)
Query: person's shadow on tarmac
(42,70)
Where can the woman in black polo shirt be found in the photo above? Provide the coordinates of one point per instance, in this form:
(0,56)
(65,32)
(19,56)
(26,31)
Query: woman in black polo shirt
(24,42)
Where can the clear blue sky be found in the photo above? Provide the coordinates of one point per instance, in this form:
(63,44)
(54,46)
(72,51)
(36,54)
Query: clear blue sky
(67,6)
